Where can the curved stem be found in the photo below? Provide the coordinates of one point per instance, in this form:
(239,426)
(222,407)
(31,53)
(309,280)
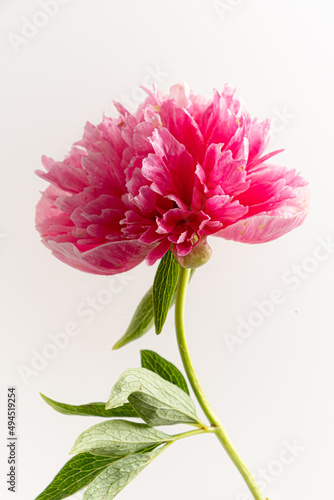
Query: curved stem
(197,388)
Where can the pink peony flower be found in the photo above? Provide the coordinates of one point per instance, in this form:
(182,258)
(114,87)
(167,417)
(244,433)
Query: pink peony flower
(178,170)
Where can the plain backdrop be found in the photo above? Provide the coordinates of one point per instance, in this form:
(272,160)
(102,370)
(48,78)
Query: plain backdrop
(274,388)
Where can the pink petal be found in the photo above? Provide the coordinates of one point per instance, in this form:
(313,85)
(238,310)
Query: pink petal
(108,259)
(158,252)
(183,127)
(171,170)
(224,210)
(63,175)
(259,138)
(268,227)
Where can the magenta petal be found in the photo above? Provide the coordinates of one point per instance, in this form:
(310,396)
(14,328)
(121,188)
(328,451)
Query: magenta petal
(224,110)
(63,176)
(146,201)
(158,252)
(253,164)
(46,207)
(108,259)
(224,210)
(268,227)
(179,169)
(260,228)
(259,137)
(183,127)
(141,138)
(171,169)
(228,172)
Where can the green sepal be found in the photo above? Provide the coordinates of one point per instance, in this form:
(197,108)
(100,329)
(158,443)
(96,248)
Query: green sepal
(142,320)
(164,287)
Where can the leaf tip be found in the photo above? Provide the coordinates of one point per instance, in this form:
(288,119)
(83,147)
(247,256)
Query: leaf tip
(46,399)
(72,450)
(120,343)
(158,327)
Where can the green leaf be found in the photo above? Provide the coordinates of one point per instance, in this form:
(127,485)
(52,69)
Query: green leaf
(91,409)
(147,382)
(164,287)
(152,361)
(143,319)
(116,438)
(75,475)
(113,479)
(156,413)
(141,322)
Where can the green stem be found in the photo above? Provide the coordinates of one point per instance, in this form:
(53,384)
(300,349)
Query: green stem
(182,435)
(197,388)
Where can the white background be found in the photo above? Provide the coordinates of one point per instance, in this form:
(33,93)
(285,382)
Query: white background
(276,387)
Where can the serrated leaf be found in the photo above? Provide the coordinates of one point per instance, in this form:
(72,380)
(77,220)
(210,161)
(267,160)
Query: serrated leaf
(164,287)
(147,382)
(116,438)
(156,413)
(113,479)
(75,475)
(91,409)
(157,364)
(141,322)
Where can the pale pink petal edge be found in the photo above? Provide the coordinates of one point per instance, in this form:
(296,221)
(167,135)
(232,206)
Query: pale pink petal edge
(108,259)
(267,227)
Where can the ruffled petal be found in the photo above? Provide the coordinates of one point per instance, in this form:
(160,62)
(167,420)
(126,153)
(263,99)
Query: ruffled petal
(171,169)
(183,127)
(107,259)
(178,170)
(63,175)
(268,227)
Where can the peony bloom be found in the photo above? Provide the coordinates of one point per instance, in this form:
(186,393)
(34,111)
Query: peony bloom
(178,170)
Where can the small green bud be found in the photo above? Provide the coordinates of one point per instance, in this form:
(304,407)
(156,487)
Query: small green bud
(199,255)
